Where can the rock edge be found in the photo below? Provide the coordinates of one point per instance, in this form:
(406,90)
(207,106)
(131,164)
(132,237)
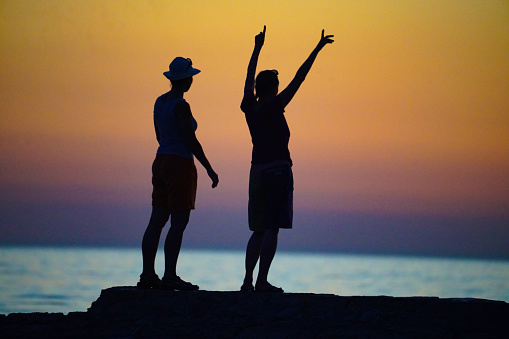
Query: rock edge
(129,312)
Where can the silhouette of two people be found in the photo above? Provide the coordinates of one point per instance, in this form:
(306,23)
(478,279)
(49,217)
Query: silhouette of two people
(174,177)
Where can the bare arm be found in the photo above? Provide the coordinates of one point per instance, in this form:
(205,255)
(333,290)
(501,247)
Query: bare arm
(183,114)
(251,68)
(287,94)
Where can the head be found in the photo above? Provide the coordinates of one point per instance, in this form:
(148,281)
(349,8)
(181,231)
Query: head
(181,73)
(182,84)
(267,84)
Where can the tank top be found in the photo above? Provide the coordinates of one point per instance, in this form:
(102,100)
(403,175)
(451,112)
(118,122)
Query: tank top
(167,128)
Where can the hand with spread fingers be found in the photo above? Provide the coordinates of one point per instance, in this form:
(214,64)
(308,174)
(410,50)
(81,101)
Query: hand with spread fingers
(325,39)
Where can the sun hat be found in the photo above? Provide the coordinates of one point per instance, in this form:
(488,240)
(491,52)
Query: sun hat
(181,68)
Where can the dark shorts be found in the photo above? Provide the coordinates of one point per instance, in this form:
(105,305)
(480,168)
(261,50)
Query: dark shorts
(270,196)
(174,181)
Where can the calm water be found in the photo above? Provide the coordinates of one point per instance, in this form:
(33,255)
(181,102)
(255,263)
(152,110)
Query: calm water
(70,279)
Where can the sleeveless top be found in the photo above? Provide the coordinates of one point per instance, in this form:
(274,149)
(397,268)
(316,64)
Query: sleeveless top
(167,128)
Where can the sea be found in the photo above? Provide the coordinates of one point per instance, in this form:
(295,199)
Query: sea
(63,280)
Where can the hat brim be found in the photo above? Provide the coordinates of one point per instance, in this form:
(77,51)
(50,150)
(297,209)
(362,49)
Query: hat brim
(189,73)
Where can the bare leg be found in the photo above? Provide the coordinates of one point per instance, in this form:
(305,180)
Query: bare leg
(253,248)
(267,253)
(150,242)
(173,242)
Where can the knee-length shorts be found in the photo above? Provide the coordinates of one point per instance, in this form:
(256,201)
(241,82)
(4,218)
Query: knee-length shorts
(270,196)
(174,182)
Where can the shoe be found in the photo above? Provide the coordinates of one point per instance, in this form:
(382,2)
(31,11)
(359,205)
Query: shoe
(149,281)
(268,288)
(247,288)
(177,284)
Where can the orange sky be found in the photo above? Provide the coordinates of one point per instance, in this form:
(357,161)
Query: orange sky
(407,112)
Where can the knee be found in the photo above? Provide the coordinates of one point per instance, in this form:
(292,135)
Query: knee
(258,234)
(159,217)
(179,220)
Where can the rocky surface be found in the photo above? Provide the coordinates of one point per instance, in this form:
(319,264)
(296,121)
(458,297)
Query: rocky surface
(128,312)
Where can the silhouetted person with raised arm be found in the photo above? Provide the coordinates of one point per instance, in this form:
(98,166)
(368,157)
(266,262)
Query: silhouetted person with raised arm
(271,179)
(174,177)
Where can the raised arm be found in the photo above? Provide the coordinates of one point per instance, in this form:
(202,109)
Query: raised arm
(251,68)
(287,94)
(183,114)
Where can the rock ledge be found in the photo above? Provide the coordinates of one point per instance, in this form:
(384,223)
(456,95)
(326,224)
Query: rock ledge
(128,312)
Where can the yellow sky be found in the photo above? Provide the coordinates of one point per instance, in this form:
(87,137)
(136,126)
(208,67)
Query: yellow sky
(407,112)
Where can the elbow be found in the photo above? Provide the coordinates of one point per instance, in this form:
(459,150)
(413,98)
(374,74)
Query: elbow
(301,75)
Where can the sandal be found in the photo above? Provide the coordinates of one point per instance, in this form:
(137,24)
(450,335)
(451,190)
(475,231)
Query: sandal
(149,281)
(177,284)
(268,288)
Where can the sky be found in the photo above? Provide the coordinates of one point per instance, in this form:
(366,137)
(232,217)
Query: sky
(400,132)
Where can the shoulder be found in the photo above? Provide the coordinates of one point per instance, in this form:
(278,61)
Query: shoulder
(182,108)
(159,100)
(158,105)
(182,104)
(164,99)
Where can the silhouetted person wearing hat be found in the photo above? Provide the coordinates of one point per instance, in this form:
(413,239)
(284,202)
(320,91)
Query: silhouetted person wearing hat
(271,180)
(174,177)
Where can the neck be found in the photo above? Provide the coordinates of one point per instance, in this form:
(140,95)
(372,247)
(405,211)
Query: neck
(177,92)
(265,97)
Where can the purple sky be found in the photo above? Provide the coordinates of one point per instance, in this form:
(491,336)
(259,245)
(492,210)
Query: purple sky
(102,225)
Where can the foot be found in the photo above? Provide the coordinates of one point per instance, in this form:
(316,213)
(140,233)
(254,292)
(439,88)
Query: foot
(149,281)
(177,284)
(246,287)
(268,288)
